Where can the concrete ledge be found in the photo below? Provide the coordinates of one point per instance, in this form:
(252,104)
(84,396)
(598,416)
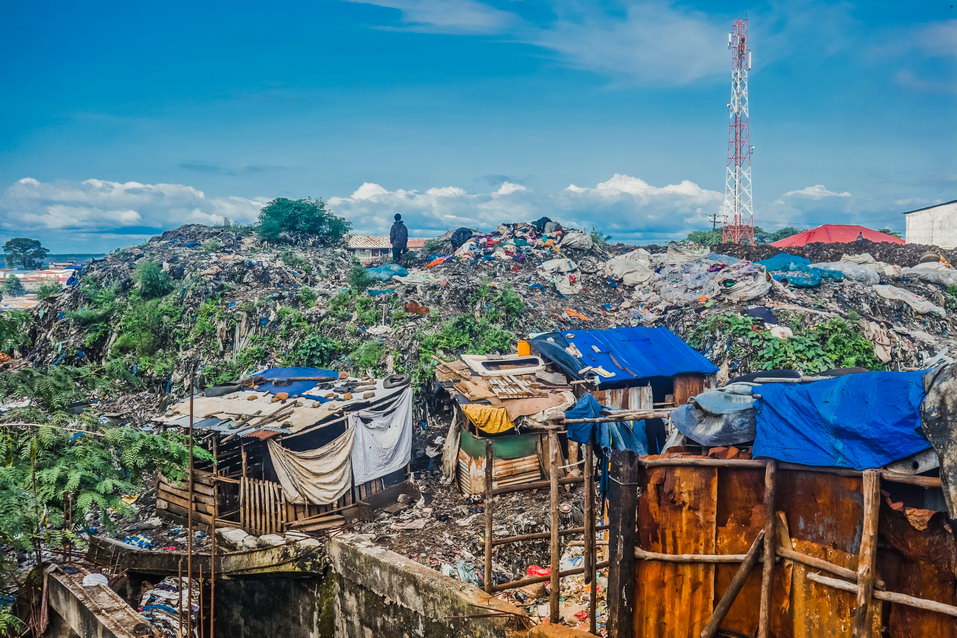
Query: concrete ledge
(383,594)
(94,612)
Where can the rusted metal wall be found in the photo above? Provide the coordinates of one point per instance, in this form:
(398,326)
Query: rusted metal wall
(707,510)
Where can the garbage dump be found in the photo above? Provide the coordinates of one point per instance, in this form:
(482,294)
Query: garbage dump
(235,306)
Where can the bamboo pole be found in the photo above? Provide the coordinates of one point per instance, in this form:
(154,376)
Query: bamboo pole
(888,596)
(488,513)
(820,563)
(189,511)
(536,485)
(689,558)
(704,461)
(532,580)
(590,551)
(734,587)
(555,557)
(636,415)
(867,557)
(767,570)
(505,540)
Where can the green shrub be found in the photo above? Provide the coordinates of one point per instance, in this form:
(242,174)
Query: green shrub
(359,280)
(46,291)
(300,219)
(151,280)
(307,296)
(318,351)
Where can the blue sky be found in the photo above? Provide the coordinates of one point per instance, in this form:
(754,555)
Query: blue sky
(122,118)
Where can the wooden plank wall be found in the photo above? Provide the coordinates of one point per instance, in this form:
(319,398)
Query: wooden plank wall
(174,497)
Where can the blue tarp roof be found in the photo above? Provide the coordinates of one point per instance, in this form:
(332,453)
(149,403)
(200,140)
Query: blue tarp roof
(295,388)
(860,421)
(630,353)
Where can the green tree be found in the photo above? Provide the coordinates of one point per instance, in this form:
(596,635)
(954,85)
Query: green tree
(151,280)
(24,253)
(301,220)
(13,287)
(765,237)
(705,237)
(892,233)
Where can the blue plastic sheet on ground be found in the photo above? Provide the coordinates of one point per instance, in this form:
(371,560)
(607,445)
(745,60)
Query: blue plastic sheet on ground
(386,272)
(294,388)
(629,354)
(797,270)
(859,421)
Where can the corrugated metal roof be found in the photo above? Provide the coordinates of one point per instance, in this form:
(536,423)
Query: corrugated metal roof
(371,242)
(629,354)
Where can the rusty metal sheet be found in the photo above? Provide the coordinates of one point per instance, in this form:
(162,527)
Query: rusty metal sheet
(822,508)
(676,514)
(921,560)
(740,516)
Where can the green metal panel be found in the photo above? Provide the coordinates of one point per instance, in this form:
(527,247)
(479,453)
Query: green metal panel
(509,446)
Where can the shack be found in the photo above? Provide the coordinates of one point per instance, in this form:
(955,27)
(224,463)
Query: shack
(632,368)
(841,489)
(500,403)
(295,449)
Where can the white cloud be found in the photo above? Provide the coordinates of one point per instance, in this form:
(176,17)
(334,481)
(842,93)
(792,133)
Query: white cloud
(448,16)
(95,204)
(938,39)
(818,191)
(623,205)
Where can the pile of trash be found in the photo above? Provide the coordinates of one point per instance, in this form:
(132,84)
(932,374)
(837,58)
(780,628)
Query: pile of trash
(245,305)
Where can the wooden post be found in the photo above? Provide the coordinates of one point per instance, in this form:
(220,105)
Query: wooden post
(623,527)
(488,514)
(867,557)
(554,582)
(740,576)
(767,570)
(590,558)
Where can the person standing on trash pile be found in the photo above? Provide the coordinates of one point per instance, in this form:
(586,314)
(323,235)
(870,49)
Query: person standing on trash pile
(399,238)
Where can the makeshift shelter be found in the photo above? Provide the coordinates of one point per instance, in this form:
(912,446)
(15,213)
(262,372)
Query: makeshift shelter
(836,234)
(295,448)
(500,403)
(632,368)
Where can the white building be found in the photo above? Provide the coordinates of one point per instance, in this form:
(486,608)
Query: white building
(935,225)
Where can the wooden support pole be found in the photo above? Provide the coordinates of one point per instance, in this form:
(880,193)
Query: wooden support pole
(505,540)
(888,596)
(532,580)
(535,485)
(689,558)
(590,552)
(734,587)
(820,563)
(555,582)
(488,514)
(623,526)
(867,556)
(767,570)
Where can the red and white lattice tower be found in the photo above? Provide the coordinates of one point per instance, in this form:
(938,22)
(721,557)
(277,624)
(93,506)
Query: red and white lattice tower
(738,211)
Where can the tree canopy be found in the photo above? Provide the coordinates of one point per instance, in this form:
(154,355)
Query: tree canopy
(300,221)
(761,236)
(24,253)
(13,287)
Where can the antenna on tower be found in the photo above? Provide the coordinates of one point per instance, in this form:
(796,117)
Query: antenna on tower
(737,210)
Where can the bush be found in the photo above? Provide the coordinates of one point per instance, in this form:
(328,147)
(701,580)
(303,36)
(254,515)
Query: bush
(13,287)
(307,296)
(151,280)
(48,290)
(300,219)
(359,279)
(317,351)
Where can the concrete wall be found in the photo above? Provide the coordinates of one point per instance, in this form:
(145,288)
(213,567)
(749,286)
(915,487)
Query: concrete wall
(384,595)
(936,226)
(278,605)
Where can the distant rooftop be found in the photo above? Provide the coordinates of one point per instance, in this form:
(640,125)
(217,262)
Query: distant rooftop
(917,210)
(370,242)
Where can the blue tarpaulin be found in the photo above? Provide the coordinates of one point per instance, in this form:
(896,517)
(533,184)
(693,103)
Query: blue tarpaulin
(607,436)
(629,354)
(859,421)
(798,271)
(295,388)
